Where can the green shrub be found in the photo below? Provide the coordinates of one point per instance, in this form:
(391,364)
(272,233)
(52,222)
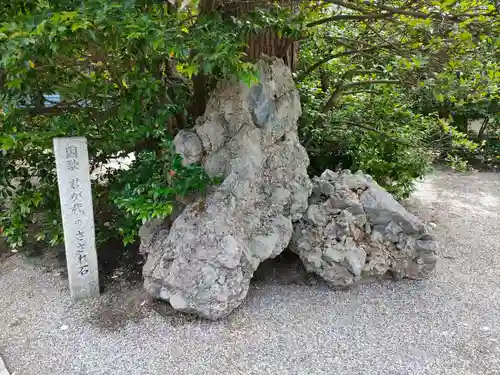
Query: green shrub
(121,70)
(377,91)
(378,134)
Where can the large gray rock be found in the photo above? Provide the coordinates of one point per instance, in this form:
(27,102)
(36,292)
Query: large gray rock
(355,230)
(203,261)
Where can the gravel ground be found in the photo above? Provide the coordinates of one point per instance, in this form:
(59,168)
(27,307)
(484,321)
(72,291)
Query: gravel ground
(290,324)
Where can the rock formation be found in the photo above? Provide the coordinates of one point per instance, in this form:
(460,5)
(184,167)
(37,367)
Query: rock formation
(354,230)
(202,261)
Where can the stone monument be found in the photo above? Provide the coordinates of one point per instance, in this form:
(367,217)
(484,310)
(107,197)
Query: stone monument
(73,179)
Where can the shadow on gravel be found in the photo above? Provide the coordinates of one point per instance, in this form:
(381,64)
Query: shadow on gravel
(125,302)
(116,262)
(119,262)
(285,269)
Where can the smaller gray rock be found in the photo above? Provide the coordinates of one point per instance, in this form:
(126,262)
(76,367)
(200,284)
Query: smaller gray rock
(376,235)
(189,146)
(381,208)
(316,215)
(428,245)
(343,198)
(360,232)
(355,257)
(344,220)
(280,195)
(426,237)
(356,209)
(406,243)
(334,254)
(329,176)
(392,231)
(326,188)
(330,230)
(377,263)
(178,302)
(353,181)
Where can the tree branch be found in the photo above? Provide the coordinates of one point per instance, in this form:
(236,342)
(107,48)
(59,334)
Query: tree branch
(403,12)
(361,92)
(334,98)
(482,130)
(316,65)
(337,93)
(372,82)
(373,16)
(415,14)
(369,128)
(389,12)
(345,4)
(396,48)
(59,110)
(356,72)
(366,127)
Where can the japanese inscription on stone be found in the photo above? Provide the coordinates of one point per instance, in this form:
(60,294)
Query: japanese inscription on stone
(77,214)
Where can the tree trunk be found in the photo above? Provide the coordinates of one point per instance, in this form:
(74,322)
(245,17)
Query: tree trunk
(482,130)
(267,42)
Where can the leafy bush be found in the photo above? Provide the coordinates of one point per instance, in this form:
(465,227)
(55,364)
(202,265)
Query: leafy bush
(379,96)
(378,81)
(121,70)
(377,134)
(149,190)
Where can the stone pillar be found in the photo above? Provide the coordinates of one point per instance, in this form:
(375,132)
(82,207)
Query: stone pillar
(73,178)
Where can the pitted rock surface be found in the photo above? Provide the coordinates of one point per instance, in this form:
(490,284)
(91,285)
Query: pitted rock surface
(203,261)
(354,230)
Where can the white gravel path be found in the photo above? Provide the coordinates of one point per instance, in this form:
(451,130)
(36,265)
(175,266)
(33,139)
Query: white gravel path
(449,324)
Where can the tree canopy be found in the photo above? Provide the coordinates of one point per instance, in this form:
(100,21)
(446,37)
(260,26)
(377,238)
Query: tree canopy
(386,86)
